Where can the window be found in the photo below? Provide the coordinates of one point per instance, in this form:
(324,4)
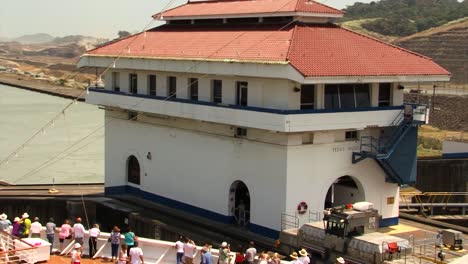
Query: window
(152,85)
(384,94)
(307,96)
(193,88)
(116,81)
(241,93)
(241,132)
(339,96)
(217,91)
(133,79)
(351,135)
(172,86)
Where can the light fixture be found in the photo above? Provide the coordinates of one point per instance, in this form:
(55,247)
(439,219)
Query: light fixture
(148,156)
(296,89)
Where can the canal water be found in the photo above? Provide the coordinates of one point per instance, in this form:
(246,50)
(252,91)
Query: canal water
(69,151)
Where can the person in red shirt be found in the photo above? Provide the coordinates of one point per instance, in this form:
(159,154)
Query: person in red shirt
(239,255)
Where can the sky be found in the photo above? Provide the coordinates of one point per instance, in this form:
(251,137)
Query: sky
(97,18)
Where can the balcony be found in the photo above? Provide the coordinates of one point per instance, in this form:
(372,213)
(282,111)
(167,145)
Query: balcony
(245,116)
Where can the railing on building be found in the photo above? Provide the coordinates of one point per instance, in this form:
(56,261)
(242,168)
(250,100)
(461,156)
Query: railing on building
(291,220)
(15,250)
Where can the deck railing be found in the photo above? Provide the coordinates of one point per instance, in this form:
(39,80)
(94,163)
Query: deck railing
(15,250)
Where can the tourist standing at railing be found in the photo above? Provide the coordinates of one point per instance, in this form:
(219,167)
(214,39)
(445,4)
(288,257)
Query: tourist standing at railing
(250,253)
(206,257)
(51,227)
(16,227)
(240,257)
(189,250)
(295,258)
(136,254)
(93,235)
(304,256)
(79,232)
(179,246)
(26,223)
(65,233)
(4,223)
(36,228)
(224,252)
(129,239)
(276,259)
(114,238)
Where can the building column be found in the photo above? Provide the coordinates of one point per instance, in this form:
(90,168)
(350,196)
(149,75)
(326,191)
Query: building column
(374,94)
(320,96)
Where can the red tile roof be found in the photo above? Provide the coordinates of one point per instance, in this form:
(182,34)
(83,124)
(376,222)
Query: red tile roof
(223,8)
(329,50)
(254,43)
(314,50)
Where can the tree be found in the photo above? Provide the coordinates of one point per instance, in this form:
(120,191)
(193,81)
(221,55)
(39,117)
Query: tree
(123,34)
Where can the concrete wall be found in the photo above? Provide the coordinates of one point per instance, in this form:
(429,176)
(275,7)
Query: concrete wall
(197,168)
(263,92)
(313,168)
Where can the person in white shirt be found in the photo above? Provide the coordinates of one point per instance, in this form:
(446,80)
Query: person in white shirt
(79,232)
(36,228)
(179,245)
(136,254)
(189,251)
(304,256)
(250,253)
(93,234)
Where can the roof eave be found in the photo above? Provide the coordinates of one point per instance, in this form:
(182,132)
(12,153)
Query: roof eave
(443,77)
(226,60)
(275,14)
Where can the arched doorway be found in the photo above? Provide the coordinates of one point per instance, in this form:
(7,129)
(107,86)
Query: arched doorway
(239,203)
(133,170)
(344,190)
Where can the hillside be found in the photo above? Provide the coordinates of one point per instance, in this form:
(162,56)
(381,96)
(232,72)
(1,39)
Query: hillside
(34,38)
(447,45)
(406,17)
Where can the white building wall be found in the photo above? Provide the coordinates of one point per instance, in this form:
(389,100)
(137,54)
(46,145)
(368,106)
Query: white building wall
(313,168)
(199,168)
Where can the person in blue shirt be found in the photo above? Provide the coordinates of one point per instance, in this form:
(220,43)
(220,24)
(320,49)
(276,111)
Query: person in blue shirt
(206,257)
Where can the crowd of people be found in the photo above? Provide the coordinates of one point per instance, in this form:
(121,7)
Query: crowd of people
(186,249)
(130,252)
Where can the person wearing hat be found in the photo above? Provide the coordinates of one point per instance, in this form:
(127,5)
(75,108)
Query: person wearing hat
(340,260)
(26,222)
(224,253)
(295,258)
(51,228)
(16,227)
(76,254)
(304,256)
(4,223)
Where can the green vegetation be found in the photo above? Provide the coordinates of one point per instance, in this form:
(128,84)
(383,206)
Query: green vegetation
(406,17)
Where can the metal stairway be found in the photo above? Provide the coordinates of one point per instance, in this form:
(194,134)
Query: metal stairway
(381,148)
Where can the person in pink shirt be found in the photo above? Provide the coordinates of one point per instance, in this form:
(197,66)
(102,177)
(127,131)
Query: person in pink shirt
(65,233)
